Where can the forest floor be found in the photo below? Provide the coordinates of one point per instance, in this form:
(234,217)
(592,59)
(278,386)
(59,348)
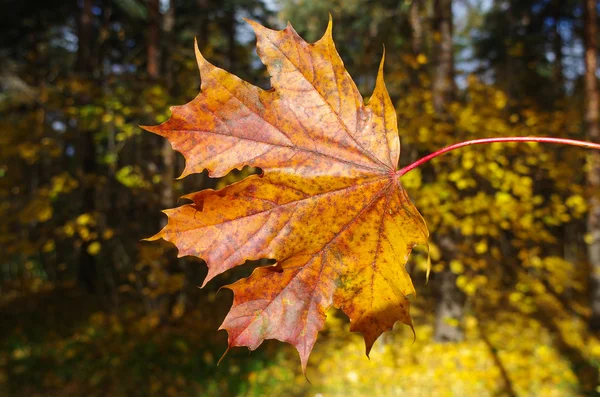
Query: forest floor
(60,342)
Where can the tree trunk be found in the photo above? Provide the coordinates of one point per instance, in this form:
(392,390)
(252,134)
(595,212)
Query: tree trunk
(450,307)
(443,54)
(449,310)
(155,25)
(84,50)
(153,48)
(203,22)
(593,133)
(168,30)
(417,26)
(557,44)
(168,157)
(231,33)
(87,273)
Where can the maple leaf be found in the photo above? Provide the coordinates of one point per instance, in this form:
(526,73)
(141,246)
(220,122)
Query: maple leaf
(329,206)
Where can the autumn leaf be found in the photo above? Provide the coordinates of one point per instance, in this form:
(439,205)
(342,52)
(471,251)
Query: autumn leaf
(329,206)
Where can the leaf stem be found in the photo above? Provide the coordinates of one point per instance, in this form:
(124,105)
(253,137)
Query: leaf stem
(542,139)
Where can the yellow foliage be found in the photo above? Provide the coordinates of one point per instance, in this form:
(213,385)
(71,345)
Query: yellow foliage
(456,267)
(94,248)
(515,349)
(62,183)
(108,234)
(39,209)
(49,246)
(85,219)
(481,247)
(132,177)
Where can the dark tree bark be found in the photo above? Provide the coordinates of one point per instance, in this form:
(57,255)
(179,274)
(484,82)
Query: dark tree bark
(203,22)
(557,44)
(159,51)
(231,29)
(443,55)
(157,27)
(417,26)
(593,132)
(168,32)
(168,157)
(153,47)
(85,62)
(87,272)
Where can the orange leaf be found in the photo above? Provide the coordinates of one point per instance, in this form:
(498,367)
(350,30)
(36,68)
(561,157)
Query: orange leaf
(329,206)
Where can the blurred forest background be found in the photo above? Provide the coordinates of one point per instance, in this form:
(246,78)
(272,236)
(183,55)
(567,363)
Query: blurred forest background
(86,308)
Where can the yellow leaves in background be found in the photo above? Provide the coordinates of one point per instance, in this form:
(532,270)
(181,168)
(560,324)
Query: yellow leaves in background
(151,270)
(481,247)
(86,228)
(558,272)
(471,285)
(118,120)
(522,346)
(456,267)
(486,190)
(577,204)
(500,99)
(40,207)
(31,152)
(85,220)
(588,238)
(83,227)
(496,196)
(48,246)
(94,248)
(126,132)
(132,177)
(413,179)
(62,183)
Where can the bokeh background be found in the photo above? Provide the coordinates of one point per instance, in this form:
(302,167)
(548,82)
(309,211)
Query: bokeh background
(88,309)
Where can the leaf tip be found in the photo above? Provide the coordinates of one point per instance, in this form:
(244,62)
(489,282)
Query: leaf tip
(155,129)
(186,171)
(257,27)
(157,236)
(329,31)
(428,271)
(380,82)
(200,60)
(381,63)
(212,274)
(190,196)
(369,342)
(306,376)
(303,359)
(224,354)
(412,328)
(206,280)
